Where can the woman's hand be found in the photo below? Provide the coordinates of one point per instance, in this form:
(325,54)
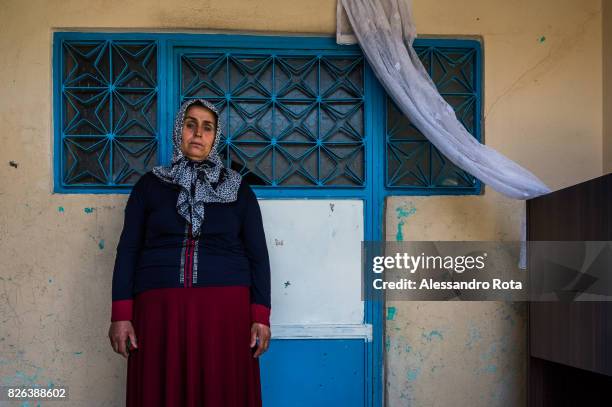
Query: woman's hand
(262,332)
(119,333)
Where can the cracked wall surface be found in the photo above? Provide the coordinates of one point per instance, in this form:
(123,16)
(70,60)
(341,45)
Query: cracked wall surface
(543,108)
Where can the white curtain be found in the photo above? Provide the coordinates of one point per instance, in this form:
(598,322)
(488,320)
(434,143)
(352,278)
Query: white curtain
(385,32)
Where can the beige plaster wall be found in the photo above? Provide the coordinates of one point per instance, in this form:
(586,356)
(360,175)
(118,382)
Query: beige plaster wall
(542,108)
(607,84)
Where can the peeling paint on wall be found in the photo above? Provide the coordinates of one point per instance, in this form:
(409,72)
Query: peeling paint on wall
(474,337)
(402,214)
(413,374)
(430,345)
(435,334)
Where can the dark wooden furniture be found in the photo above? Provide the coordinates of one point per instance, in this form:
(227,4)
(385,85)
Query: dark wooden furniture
(570,343)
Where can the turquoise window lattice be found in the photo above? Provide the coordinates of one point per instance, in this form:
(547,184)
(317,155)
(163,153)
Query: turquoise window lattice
(412,161)
(294,120)
(108,112)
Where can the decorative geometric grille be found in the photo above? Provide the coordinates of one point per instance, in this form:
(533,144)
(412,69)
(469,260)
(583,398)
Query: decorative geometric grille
(294,120)
(412,161)
(109,121)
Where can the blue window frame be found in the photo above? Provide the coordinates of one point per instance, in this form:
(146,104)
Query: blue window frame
(296,109)
(106,113)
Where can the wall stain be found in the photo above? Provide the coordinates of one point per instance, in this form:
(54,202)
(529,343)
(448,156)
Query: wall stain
(26,374)
(433,334)
(474,337)
(402,214)
(435,367)
(413,374)
(490,358)
(490,368)
(88,210)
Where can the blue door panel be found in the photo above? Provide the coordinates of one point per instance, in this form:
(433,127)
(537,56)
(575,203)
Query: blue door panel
(313,372)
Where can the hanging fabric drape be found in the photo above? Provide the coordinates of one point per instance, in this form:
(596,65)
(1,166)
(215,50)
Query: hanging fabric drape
(385,32)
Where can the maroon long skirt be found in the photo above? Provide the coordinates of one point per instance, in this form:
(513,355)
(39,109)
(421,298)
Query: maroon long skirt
(193,349)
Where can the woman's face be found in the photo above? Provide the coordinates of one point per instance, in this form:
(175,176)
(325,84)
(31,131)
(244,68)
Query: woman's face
(199,128)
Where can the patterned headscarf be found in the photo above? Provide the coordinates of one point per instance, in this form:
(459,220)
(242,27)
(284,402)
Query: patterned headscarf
(202,181)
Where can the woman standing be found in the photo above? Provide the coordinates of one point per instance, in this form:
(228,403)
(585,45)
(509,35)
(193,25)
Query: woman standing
(191,283)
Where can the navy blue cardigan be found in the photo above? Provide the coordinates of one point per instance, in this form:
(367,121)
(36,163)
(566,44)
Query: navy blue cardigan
(157,250)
